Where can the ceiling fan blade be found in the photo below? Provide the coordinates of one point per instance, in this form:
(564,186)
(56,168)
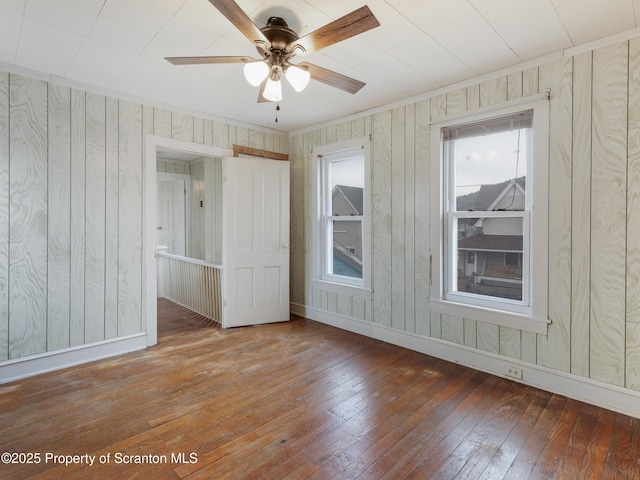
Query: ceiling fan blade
(334,79)
(240,20)
(207,60)
(350,25)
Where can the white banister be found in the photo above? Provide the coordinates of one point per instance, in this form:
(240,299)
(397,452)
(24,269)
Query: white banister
(192,283)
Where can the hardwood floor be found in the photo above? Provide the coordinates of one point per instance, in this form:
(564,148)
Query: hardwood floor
(300,400)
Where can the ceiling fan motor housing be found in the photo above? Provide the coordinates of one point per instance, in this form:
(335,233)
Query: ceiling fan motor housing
(279,34)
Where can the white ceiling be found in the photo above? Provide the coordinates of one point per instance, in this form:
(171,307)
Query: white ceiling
(117,46)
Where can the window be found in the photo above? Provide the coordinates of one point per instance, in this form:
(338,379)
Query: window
(491,224)
(342,231)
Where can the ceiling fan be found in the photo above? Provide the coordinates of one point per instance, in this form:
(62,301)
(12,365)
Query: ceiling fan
(277,44)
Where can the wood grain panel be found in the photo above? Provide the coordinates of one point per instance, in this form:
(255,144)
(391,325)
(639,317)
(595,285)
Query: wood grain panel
(112,187)
(358,128)
(272,143)
(256,139)
(182,126)
(198,130)
(470,333)
(398,220)
(452,329)
(162,122)
(212,199)
(488,337)
(410,222)
(510,342)
(130,218)
(608,207)
(297,217)
(473,97)
(59,217)
(359,308)
(381,218)
(220,135)
(456,101)
(28,217)
(344,305)
(554,349)
(331,134)
(421,222)
(95,227)
(213,202)
(514,86)
(493,91)
(284,144)
(309,141)
(529,347)
(197,228)
(438,106)
(581,214)
(4,215)
(78,173)
(208,132)
(436,325)
(343,131)
(530,81)
(241,135)
(632,379)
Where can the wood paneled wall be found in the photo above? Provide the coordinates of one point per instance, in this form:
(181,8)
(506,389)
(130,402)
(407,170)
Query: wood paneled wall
(71,210)
(594,217)
(205,238)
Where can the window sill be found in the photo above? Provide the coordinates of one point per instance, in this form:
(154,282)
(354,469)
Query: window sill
(342,289)
(502,318)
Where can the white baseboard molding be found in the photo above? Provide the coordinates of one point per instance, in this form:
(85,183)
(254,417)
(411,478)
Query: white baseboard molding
(594,392)
(18,368)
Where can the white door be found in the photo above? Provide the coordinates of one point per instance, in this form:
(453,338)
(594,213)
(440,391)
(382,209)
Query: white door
(171,216)
(256,241)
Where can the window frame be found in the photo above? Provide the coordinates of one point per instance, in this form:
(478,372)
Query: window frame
(321,278)
(530,314)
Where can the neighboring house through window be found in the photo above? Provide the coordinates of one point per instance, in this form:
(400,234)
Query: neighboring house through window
(489,216)
(342,239)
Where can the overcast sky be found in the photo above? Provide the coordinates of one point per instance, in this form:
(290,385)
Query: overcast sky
(489,159)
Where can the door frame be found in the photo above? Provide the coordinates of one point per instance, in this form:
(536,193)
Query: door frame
(150,267)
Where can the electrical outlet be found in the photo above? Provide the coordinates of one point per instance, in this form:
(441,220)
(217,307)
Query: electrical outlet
(513,372)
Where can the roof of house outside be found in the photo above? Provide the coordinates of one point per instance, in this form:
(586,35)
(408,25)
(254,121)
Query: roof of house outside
(485,197)
(354,196)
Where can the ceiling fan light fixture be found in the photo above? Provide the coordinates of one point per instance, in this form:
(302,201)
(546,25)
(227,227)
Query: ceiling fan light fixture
(297,77)
(256,72)
(273,90)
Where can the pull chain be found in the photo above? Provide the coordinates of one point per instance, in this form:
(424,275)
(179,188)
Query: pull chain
(277,110)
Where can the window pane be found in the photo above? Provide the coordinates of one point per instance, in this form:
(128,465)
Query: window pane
(490,257)
(347,248)
(347,182)
(490,171)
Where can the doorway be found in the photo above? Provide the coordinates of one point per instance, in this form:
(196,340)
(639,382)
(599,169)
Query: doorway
(152,145)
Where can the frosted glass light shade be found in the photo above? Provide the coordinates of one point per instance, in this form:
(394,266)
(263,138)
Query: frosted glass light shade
(256,72)
(297,77)
(273,90)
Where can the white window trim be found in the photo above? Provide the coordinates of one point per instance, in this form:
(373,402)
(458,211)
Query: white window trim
(534,318)
(360,289)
